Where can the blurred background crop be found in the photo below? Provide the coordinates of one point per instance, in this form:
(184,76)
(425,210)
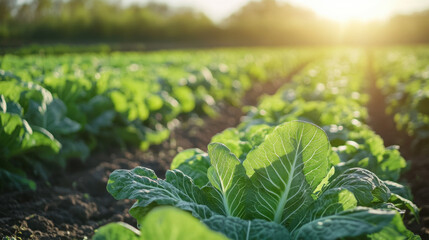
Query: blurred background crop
(136,24)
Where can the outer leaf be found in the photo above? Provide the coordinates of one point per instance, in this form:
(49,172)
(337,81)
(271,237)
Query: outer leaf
(257,229)
(329,203)
(351,223)
(394,231)
(365,185)
(142,184)
(116,231)
(403,203)
(401,190)
(286,168)
(161,223)
(228,176)
(171,223)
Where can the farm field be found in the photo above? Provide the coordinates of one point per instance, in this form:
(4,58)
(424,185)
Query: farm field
(280,143)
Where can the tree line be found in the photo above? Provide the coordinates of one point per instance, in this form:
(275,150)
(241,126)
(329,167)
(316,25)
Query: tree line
(266,22)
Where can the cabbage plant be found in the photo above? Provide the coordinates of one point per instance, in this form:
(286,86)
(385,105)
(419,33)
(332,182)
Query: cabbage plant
(285,188)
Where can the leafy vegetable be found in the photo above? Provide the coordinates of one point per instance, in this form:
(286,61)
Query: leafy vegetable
(285,183)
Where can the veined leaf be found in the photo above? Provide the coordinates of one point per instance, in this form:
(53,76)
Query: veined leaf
(365,185)
(324,182)
(329,203)
(351,223)
(283,185)
(285,169)
(257,229)
(143,185)
(228,176)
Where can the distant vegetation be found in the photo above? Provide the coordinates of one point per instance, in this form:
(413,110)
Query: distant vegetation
(265,22)
(65,107)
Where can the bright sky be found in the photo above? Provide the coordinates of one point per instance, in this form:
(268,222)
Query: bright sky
(340,10)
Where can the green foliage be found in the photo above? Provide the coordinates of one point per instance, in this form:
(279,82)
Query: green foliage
(63,107)
(354,145)
(96,20)
(28,124)
(327,93)
(403,77)
(289,165)
(273,178)
(283,188)
(350,223)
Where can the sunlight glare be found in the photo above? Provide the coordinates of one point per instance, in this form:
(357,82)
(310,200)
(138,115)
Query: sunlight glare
(346,10)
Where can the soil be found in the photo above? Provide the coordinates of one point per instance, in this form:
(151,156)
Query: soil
(417,174)
(75,202)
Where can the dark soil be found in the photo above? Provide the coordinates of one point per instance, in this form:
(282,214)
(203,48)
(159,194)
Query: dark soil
(76,202)
(417,175)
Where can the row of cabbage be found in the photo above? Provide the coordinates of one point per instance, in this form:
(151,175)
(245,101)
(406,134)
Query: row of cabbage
(278,175)
(56,108)
(403,77)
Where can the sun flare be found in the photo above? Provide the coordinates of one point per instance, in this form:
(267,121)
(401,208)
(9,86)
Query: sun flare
(346,10)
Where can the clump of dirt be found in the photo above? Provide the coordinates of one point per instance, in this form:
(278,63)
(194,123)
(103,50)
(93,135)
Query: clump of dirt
(57,213)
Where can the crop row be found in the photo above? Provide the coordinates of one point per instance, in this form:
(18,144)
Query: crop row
(403,76)
(55,108)
(278,175)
